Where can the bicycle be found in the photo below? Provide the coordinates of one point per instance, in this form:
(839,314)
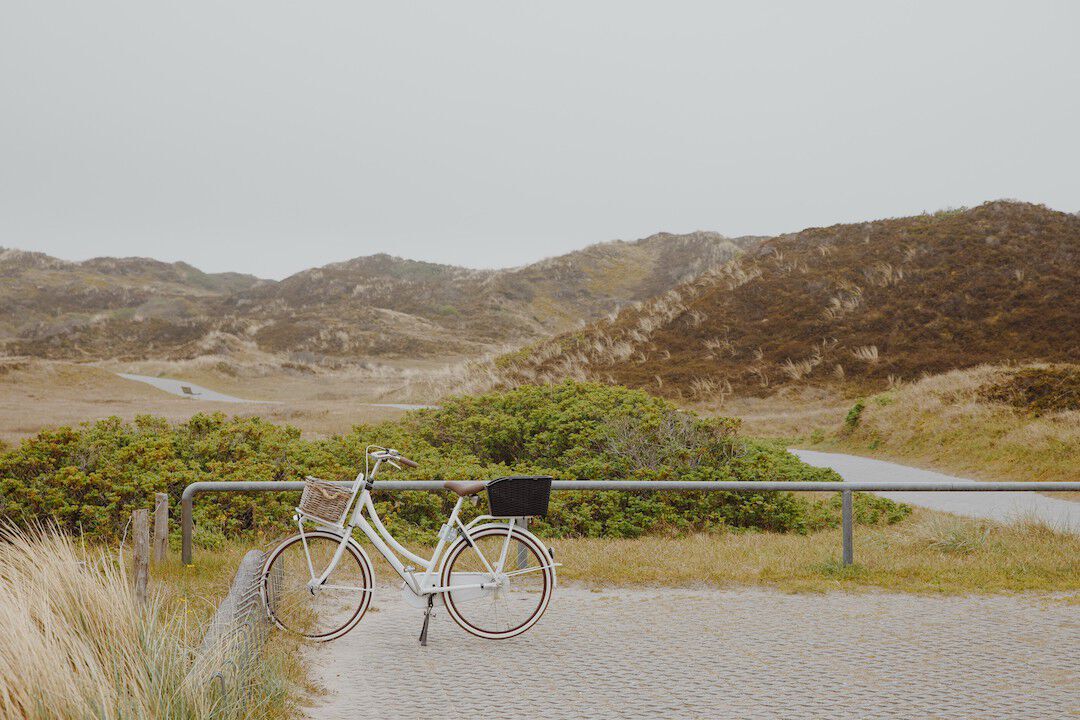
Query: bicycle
(493,576)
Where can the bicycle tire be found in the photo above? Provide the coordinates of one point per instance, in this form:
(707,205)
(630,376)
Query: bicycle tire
(287,611)
(531,613)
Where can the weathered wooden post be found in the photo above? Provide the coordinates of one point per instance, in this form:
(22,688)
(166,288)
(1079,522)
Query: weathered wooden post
(140,524)
(161,526)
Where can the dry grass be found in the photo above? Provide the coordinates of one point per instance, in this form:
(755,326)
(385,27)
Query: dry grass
(945,421)
(788,414)
(76,645)
(929,553)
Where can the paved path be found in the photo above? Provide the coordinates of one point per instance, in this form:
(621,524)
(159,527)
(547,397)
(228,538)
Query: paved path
(192,391)
(652,653)
(1000,506)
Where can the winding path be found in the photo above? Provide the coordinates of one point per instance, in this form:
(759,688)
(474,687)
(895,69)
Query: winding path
(189,390)
(998,506)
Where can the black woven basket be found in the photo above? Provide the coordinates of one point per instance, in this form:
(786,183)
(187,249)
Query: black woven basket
(519,495)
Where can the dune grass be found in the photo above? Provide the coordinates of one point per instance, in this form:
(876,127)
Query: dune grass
(75,644)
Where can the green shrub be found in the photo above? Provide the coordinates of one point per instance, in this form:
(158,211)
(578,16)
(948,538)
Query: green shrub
(89,478)
(885,399)
(851,421)
(866,509)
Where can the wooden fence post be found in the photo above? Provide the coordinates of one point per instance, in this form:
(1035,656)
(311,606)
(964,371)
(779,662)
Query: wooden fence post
(161,527)
(140,523)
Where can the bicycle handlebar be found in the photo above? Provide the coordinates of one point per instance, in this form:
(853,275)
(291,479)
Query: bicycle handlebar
(394,456)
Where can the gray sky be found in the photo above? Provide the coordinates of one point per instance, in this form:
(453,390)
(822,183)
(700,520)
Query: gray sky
(268,137)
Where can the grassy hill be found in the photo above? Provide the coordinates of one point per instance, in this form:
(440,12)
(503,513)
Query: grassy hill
(406,307)
(856,306)
(1017,422)
(44,300)
(136,308)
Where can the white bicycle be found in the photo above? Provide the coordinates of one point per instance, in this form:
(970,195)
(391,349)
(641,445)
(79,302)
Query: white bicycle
(494,577)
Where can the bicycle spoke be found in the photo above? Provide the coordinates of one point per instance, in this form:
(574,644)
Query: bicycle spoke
(334,605)
(515,602)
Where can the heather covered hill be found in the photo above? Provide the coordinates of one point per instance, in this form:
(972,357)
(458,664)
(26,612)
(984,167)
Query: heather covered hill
(378,305)
(850,304)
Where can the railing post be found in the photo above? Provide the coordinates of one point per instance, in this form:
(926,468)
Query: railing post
(848,531)
(161,526)
(186,501)
(140,529)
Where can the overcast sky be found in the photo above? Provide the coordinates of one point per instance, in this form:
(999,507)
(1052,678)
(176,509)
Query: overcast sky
(269,137)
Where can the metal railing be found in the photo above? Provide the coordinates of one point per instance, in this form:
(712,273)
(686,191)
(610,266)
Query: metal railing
(846,489)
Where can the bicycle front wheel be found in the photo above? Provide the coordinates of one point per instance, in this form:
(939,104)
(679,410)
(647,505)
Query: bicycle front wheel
(323,612)
(516,592)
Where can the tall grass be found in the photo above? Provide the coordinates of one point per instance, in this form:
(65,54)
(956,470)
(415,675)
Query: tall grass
(75,644)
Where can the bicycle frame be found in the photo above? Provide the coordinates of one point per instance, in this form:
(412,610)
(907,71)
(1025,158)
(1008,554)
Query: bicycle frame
(386,544)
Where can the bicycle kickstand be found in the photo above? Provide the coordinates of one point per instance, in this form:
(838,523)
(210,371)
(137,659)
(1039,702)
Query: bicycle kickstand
(427,619)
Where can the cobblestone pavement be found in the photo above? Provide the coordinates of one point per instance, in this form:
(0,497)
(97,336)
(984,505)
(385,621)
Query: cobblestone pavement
(999,506)
(708,653)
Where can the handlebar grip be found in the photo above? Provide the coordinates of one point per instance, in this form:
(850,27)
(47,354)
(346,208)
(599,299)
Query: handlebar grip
(406,461)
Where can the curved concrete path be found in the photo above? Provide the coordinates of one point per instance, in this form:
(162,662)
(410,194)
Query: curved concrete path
(998,506)
(189,390)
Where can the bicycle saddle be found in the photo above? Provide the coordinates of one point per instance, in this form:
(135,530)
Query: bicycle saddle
(464,488)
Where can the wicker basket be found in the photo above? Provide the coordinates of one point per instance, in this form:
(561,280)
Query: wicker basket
(324,501)
(519,496)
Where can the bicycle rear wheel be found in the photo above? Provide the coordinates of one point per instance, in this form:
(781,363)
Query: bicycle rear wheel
(329,611)
(523,585)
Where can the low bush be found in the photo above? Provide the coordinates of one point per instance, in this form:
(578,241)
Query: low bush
(1036,389)
(89,478)
(866,509)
